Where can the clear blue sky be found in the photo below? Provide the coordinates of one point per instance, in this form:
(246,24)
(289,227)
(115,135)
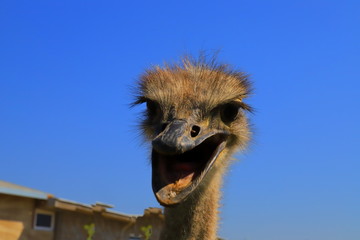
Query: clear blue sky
(66,72)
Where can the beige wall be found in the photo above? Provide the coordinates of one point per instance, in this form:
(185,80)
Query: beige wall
(16,219)
(152,219)
(70,225)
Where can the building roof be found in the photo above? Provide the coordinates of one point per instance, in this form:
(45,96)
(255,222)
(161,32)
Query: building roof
(63,204)
(101,208)
(17,190)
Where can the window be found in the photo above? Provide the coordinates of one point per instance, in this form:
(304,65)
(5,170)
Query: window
(44,220)
(132,237)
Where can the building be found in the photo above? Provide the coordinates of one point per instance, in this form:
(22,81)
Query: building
(28,214)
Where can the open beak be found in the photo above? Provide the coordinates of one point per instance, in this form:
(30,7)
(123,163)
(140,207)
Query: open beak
(182,155)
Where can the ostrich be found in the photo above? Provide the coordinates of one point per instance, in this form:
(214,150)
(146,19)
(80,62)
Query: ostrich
(195,120)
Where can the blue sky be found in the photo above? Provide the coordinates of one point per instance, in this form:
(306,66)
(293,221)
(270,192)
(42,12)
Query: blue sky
(66,73)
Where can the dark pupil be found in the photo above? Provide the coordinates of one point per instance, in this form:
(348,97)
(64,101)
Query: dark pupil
(151,108)
(229,112)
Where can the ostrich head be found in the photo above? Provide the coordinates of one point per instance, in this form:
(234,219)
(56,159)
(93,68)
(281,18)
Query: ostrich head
(195,119)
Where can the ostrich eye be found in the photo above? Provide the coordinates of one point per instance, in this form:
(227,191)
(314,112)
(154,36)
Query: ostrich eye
(153,108)
(229,112)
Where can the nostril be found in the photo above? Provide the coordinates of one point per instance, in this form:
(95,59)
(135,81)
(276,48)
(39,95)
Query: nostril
(195,130)
(163,126)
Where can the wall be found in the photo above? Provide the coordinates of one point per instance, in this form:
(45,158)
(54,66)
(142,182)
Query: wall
(16,219)
(151,217)
(70,225)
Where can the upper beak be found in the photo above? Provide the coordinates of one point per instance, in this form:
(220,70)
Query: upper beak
(175,139)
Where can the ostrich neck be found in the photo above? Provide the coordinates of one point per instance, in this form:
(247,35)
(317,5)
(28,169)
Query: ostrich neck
(197,217)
